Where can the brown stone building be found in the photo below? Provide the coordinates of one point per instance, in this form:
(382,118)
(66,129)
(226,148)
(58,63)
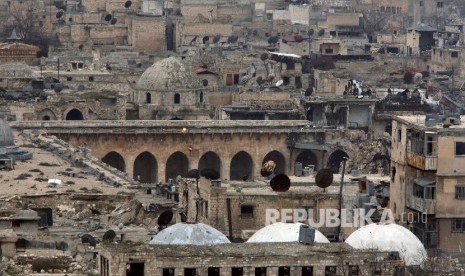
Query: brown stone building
(283,259)
(18,52)
(428,173)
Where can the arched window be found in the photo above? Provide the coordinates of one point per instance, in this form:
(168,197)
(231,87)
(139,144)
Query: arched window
(177,98)
(148,98)
(201,97)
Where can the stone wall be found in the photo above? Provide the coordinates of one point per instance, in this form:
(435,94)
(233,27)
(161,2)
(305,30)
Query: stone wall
(148,34)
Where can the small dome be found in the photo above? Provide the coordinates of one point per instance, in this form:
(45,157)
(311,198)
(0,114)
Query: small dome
(6,135)
(389,237)
(193,234)
(283,232)
(169,74)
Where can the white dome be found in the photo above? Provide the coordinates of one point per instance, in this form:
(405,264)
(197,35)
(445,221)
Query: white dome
(389,237)
(283,232)
(193,234)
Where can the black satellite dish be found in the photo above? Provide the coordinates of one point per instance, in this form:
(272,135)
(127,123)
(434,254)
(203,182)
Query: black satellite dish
(193,174)
(273,40)
(205,39)
(324,178)
(210,173)
(204,82)
(216,38)
(321,32)
(58,87)
(109,236)
(81,47)
(127,4)
(113,21)
(108,17)
(88,238)
(309,91)
(59,14)
(165,218)
(259,80)
(280,183)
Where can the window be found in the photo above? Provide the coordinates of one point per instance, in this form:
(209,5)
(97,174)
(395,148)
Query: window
(189,272)
(458,225)
(69,78)
(460,192)
(422,3)
(330,270)
(459,148)
(328,51)
(16,224)
(260,271)
(307,271)
(399,135)
(427,192)
(91,78)
(237,271)
(213,271)
(168,271)
(353,270)
(177,98)
(148,98)
(247,211)
(440,4)
(284,271)
(454,54)
(201,97)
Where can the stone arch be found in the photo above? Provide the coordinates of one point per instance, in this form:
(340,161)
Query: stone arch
(115,160)
(241,167)
(148,98)
(145,168)
(74,115)
(278,158)
(177,164)
(210,160)
(307,158)
(47,115)
(335,160)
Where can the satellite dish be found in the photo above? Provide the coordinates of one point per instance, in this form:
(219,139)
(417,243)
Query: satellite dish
(88,238)
(109,236)
(193,174)
(273,40)
(268,168)
(324,178)
(216,38)
(113,21)
(209,173)
(120,226)
(309,91)
(279,83)
(59,14)
(244,79)
(321,32)
(108,17)
(259,80)
(205,39)
(165,218)
(81,47)
(264,56)
(178,178)
(280,183)
(204,82)
(58,87)
(127,4)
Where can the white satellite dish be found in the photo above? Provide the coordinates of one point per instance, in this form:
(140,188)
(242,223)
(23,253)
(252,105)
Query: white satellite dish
(279,83)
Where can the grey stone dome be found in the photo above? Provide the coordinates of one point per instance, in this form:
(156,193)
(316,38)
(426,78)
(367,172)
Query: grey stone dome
(190,234)
(6,135)
(169,74)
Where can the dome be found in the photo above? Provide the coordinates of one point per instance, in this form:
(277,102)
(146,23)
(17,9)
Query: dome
(389,237)
(283,232)
(6,135)
(190,233)
(169,74)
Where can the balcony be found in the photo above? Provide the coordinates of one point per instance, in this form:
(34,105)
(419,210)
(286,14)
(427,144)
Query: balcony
(425,163)
(422,205)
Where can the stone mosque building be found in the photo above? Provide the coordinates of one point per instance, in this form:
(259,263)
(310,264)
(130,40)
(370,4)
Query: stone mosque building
(169,90)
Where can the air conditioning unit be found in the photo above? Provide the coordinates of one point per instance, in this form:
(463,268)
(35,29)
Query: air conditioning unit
(306,235)
(170,181)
